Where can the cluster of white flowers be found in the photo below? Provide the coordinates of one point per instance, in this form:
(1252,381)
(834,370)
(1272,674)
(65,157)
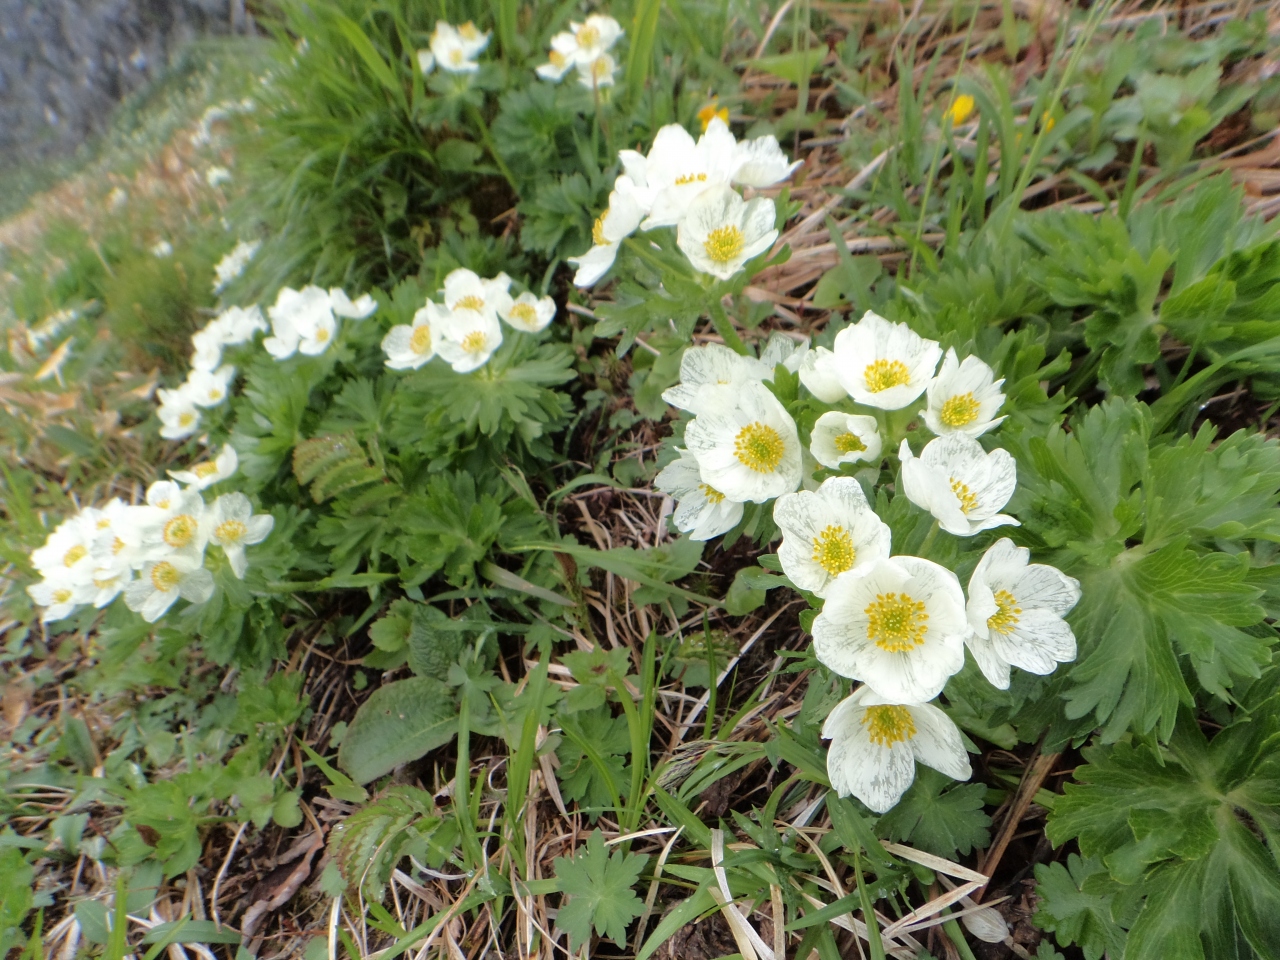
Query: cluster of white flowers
(306,321)
(208,383)
(464,329)
(690,186)
(453,49)
(152,552)
(233,264)
(585,46)
(898,624)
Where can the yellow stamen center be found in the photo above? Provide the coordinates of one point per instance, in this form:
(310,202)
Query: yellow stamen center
(724,243)
(884,374)
(474,342)
(163,504)
(104,523)
(849,443)
(469,302)
(74,555)
(1006,617)
(713,495)
(322,335)
(587,36)
(968,499)
(597,231)
(203,470)
(180,531)
(557,59)
(688,178)
(230,532)
(215,393)
(420,340)
(833,550)
(887,725)
(456,57)
(186,418)
(524,313)
(759,447)
(896,622)
(165,576)
(600,68)
(61,596)
(117,545)
(960,410)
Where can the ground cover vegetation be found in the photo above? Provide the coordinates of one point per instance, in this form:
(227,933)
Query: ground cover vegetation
(687,479)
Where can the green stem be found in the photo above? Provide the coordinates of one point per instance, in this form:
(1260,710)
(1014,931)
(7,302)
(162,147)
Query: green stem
(957,939)
(478,117)
(724,327)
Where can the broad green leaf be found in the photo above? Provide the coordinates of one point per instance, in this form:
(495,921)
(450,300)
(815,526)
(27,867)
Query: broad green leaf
(598,887)
(401,721)
(1076,904)
(942,821)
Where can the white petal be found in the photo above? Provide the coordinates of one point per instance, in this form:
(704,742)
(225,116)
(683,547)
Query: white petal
(937,742)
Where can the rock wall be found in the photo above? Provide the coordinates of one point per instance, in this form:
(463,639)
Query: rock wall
(65,63)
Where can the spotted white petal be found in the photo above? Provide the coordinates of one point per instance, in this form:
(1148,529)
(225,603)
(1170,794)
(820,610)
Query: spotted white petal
(839,438)
(745,443)
(827,532)
(962,485)
(898,624)
(701,510)
(963,397)
(883,364)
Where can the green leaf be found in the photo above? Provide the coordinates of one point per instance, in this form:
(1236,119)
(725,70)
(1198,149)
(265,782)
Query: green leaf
(436,640)
(598,887)
(390,632)
(939,816)
(1076,903)
(368,844)
(187,930)
(793,67)
(401,721)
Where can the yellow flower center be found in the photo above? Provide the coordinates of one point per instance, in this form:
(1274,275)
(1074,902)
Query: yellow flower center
(600,68)
(724,243)
(884,374)
(420,340)
(104,523)
(833,550)
(455,57)
(524,313)
(557,59)
(896,622)
(588,36)
(1006,617)
(474,342)
(968,499)
(203,470)
(713,495)
(215,394)
(597,231)
(74,555)
(165,576)
(61,596)
(469,302)
(322,334)
(104,584)
(116,546)
(960,410)
(849,443)
(887,725)
(688,178)
(229,532)
(759,447)
(180,531)
(163,504)
(186,418)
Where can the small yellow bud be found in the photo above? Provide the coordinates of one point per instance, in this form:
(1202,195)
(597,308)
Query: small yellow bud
(1047,122)
(959,110)
(711,110)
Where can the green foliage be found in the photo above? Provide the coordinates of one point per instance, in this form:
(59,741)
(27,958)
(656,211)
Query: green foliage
(368,844)
(1077,903)
(400,722)
(597,887)
(939,816)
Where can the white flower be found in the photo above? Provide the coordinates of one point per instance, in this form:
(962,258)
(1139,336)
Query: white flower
(208,348)
(162,249)
(712,364)
(465,290)
(410,346)
(827,532)
(619,220)
(67,553)
(962,485)
(109,582)
(720,231)
(237,325)
(840,438)
(206,474)
(820,377)
(59,597)
(208,388)
(426,61)
(558,62)
(232,525)
(761,163)
(174,525)
(113,554)
(963,397)
(876,742)
(597,73)
(1015,614)
(233,264)
(897,625)
(529,313)
(883,364)
(455,48)
(466,338)
(701,511)
(781,349)
(177,413)
(163,582)
(745,443)
(343,306)
(297,314)
(677,169)
(594,37)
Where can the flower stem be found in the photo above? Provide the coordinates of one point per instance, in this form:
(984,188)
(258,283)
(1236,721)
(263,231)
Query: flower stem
(724,327)
(478,117)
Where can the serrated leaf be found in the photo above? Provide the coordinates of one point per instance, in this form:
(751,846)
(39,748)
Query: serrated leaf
(939,816)
(1075,905)
(436,640)
(367,845)
(401,721)
(598,887)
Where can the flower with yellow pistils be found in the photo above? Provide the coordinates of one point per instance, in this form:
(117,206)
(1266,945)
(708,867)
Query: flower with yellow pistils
(465,338)
(179,416)
(465,290)
(529,313)
(618,222)
(883,364)
(745,442)
(232,525)
(162,582)
(720,231)
(876,742)
(59,597)
(898,625)
(409,346)
(962,485)
(827,532)
(455,48)
(206,474)
(963,397)
(701,510)
(839,438)
(1015,614)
